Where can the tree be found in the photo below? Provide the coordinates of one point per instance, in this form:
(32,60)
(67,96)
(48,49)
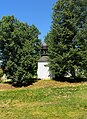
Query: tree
(20,48)
(67,39)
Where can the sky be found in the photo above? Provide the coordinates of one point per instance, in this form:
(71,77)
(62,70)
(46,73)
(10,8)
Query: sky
(37,12)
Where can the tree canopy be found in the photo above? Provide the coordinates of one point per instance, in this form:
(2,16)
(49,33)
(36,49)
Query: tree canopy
(67,39)
(20,46)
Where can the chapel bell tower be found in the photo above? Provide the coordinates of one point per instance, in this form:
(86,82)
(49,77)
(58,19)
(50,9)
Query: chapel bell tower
(43,68)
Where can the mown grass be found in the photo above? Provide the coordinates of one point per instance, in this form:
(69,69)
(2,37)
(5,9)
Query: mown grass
(53,102)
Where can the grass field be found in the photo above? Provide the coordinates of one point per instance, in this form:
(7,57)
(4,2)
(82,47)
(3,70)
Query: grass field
(45,100)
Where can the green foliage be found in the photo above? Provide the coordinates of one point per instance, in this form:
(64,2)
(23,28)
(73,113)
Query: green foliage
(20,47)
(1,72)
(67,39)
(44,103)
(0,55)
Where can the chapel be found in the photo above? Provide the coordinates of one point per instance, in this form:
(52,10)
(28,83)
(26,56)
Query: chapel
(43,71)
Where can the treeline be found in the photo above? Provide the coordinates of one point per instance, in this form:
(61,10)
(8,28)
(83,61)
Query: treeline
(66,40)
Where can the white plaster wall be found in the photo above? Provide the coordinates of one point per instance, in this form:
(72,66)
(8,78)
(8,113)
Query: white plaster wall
(43,70)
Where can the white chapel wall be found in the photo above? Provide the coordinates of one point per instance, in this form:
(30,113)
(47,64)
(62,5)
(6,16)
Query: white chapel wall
(43,70)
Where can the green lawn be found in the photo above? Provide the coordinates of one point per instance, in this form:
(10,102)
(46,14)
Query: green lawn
(52,102)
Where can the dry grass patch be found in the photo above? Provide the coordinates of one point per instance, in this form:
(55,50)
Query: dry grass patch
(53,83)
(42,84)
(6,86)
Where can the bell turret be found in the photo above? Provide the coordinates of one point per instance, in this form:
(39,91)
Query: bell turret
(44,49)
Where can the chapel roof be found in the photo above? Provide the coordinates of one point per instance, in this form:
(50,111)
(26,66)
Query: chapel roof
(43,59)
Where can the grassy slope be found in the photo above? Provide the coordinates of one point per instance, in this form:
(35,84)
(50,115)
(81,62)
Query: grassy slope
(45,100)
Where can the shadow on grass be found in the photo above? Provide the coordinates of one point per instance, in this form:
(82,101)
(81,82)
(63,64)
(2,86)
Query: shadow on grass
(71,80)
(30,82)
(24,84)
(20,84)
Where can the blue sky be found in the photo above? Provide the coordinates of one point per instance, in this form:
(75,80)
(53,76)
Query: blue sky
(37,12)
